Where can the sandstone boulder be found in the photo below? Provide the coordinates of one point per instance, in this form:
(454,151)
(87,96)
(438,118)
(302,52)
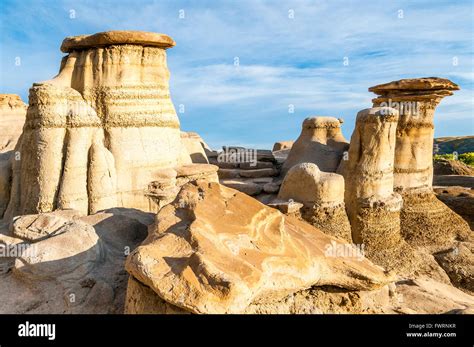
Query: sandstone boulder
(216,250)
(73,251)
(322,196)
(64,262)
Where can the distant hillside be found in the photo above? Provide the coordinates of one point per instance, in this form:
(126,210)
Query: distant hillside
(460,144)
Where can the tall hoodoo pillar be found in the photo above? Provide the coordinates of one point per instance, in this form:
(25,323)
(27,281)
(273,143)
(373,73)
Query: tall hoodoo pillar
(423,217)
(372,205)
(97,134)
(416,101)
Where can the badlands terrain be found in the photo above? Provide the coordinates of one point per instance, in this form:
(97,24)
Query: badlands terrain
(106,206)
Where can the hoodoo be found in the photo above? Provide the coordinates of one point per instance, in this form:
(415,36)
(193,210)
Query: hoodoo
(321,142)
(99,132)
(424,218)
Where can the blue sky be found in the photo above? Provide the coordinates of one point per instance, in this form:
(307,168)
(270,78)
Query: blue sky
(289,53)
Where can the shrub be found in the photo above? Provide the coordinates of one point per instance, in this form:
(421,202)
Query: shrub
(466,158)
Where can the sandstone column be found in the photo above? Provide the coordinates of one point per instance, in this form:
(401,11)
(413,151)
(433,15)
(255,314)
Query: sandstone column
(124,75)
(99,132)
(373,207)
(423,218)
(320,142)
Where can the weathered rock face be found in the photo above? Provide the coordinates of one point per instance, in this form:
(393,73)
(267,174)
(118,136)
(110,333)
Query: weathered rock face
(216,250)
(372,206)
(57,156)
(12,118)
(322,196)
(421,296)
(168,182)
(458,262)
(424,219)
(104,126)
(196,147)
(281,145)
(320,142)
(65,262)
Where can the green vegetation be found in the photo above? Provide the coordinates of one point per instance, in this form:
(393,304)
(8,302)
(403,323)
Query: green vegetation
(466,158)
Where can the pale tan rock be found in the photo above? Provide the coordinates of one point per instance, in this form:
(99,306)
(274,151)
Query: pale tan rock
(142,300)
(321,142)
(102,179)
(54,153)
(194,172)
(106,123)
(278,146)
(245,186)
(424,219)
(77,270)
(322,195)
(416,101)
(37,227)
(287,207)
(74,250)
(427,296)
(167,182)
(372,206)
(195,147)
(216,250)
(12,118)
(228,173)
